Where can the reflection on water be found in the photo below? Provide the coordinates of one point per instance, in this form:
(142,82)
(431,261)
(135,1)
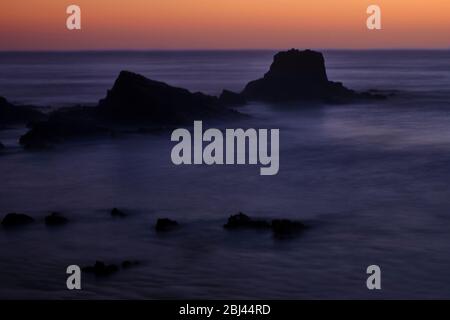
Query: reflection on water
(370,179)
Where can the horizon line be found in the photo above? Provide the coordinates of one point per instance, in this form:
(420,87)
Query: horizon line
(225,49)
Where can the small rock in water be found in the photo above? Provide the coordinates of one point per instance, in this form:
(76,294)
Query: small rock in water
(128,264)
(101,269)
(165,224)
(2,146)
(55,219)
(16,219)
(118,213)
(241,220)
(285,227)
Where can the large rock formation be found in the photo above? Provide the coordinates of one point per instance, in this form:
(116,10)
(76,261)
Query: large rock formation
(134,101)
(298,75)
(134,98)
(12,114)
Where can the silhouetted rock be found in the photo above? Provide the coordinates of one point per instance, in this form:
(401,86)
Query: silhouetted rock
(55,219)
(10,114)
(16,219)
(129,264)
(101,269)
(232,99)
(118,213)
(243,221)
(63,124)
(165,224)
(299,75)
(136,99)
(285,227)
(2,146)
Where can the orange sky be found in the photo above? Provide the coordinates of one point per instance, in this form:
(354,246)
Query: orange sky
(227,24)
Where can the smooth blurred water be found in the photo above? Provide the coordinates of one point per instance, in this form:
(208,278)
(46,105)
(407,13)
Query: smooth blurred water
(370,179)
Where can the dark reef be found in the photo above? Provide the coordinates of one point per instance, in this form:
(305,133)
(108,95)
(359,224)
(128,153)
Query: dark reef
(118,213)
(12,114)
(280,227)
(242,221)
(165,224)
(55,219)
(16,219)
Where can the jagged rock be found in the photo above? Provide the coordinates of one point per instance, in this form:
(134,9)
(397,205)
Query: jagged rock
(136,99)
(118,213)
(298,75)
(232,99)
(10,114)
(55,219)
(165,224)
(285,227)
(101,269)
(133,101)
(242,221)
(16,219)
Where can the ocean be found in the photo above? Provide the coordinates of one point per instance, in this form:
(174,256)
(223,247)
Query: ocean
(370,179)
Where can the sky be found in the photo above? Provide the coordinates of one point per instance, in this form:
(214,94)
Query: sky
(223,24)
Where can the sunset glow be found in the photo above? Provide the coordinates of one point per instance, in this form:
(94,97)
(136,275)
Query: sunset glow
(223,24)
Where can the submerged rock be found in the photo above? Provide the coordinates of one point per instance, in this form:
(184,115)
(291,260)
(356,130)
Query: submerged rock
(129,264)
(285,227)
(10,114)
(279,227)
(101,269)
(55,219)
(165,224)
(118,213)
(242,221)
(16,219)
(298,75)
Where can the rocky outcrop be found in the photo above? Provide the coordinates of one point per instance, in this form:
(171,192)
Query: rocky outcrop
(280,227)
(62,125)
(299,75)
(55,219)
(242,221)
(12,114)
(16,219)
(164,224)
(136,99)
